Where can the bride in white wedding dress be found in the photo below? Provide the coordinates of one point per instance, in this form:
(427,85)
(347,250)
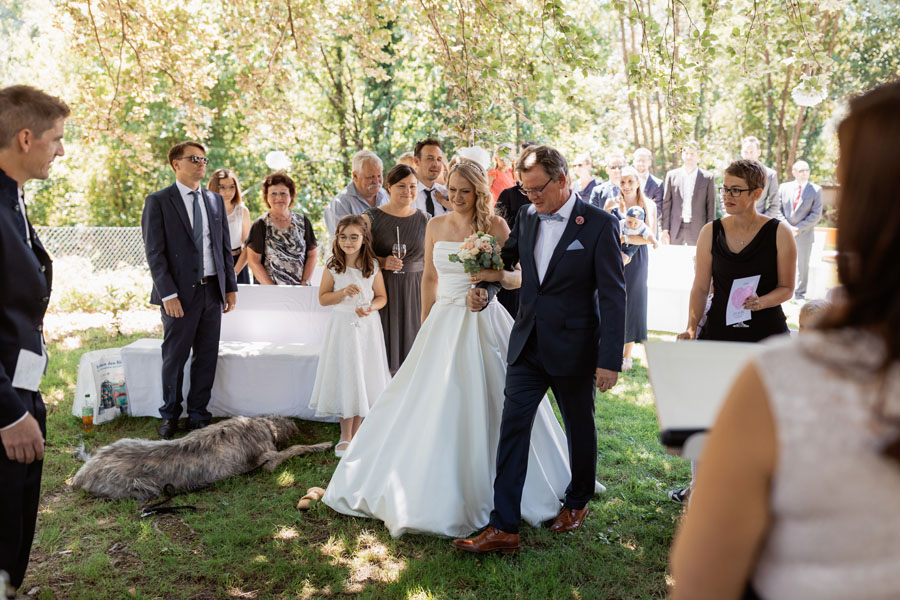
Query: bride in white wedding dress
(423,460)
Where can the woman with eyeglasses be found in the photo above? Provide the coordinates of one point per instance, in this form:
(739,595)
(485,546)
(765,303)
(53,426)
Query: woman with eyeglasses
(225,183)
(730,251)
(743,244)
(606,191)
(797,493)
(281,247)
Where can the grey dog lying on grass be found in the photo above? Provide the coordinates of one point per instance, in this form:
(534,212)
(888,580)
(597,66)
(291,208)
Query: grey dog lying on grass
(140,469)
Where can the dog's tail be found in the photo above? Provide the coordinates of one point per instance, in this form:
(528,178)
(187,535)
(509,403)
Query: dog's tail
(81,454)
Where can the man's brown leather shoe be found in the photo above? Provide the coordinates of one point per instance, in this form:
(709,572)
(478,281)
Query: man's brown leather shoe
(490,540)
(569,519)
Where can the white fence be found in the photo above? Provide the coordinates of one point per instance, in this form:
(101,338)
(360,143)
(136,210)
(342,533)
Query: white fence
(105,247)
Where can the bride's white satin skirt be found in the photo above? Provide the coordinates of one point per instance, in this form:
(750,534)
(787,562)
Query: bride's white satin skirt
(424,459)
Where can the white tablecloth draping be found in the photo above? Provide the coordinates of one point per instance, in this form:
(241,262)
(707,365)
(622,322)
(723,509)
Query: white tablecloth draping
(252,379)
(669,281)
(276,313)
(268,354)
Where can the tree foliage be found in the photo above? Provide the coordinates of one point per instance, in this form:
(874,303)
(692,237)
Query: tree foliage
(320,80)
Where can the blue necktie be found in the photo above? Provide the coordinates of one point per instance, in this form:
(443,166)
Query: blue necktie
(553,217)
(198,233)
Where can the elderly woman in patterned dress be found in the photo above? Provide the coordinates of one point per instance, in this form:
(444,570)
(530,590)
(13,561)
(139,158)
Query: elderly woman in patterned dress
(281,247)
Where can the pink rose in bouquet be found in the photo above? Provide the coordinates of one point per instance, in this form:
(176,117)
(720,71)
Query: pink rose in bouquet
(477,252)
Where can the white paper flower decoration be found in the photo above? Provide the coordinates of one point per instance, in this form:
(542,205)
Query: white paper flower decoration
(277,160)
(806,94)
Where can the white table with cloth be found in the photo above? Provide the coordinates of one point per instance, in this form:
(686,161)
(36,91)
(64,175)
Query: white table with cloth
(268,353)
(669,280)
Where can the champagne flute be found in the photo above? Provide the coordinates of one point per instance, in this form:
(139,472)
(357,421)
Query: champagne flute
(399,251)
(361,302)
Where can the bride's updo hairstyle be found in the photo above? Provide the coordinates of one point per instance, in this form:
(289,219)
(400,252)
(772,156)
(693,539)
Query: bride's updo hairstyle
(474,174)
(867,255)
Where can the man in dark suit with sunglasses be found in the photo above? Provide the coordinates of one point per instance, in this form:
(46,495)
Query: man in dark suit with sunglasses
(189,252)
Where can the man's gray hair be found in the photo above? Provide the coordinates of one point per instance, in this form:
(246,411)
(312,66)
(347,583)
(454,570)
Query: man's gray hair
(548,157)
(361,158)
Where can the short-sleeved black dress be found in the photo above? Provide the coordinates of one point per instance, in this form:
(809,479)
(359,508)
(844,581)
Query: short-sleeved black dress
(401,318)
(759,257)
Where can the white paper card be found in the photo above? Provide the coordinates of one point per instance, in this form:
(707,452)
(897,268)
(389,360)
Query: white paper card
(741,289)
(29,370)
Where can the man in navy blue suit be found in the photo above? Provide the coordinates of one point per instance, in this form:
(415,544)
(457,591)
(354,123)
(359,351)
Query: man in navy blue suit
(31,132)
(642,160)
(188,249)
(567,337)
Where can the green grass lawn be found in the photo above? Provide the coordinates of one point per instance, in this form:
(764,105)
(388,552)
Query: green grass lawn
(247,540)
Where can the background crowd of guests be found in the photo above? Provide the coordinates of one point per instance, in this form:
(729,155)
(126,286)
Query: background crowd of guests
(280,247)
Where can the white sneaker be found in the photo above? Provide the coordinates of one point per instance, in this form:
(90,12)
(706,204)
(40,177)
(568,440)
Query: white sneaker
(627,363)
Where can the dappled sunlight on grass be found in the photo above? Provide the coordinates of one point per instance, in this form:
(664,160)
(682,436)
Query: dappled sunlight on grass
(248,541)
(371,561)
(285,479)
(333,549)
(286,533)
(234,592)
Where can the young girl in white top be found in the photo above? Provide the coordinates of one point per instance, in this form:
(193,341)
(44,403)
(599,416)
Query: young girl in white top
(353,368)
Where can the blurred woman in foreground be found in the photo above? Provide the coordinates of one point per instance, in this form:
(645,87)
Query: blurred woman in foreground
(797,490)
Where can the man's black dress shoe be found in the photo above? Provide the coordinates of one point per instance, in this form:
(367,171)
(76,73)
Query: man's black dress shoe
(167,429)
(191,425)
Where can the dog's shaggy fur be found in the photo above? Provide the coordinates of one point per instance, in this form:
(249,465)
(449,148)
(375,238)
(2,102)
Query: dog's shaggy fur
(131,468)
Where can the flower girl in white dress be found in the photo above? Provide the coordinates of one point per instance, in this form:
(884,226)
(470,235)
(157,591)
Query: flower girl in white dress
(353,368)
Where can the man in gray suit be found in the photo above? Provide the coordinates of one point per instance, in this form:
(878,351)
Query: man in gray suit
(689,200)
(801,208)
(768,204)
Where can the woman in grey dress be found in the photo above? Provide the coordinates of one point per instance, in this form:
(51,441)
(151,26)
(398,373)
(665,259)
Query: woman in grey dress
(401,318)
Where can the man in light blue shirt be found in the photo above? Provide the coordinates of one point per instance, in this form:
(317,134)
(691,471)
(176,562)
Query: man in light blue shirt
(361,194)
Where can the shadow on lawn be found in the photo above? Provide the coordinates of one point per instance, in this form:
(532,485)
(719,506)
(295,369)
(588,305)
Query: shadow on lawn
(248,541)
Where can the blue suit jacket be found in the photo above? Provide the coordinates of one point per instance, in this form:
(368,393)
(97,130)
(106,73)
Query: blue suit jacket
(25,276)
(169,244)
(654,190)
(579,308)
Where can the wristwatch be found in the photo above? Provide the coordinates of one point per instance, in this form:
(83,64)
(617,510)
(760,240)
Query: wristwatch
(304,282)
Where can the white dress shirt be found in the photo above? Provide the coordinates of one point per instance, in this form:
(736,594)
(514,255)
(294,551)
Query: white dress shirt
(24,216)
(689,178)
(420,198)
(549,234)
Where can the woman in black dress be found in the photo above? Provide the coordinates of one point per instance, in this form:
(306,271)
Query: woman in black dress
(401,318)
(637,269)
(742,244)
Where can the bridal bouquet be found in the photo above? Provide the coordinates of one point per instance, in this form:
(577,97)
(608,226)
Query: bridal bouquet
(477,252)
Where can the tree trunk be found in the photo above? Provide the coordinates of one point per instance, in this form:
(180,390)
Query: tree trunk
(634,124)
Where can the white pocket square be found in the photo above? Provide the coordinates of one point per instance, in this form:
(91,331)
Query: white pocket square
(575,245)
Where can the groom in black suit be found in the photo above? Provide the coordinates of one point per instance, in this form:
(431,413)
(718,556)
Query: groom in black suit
(567,337)
(189,252)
